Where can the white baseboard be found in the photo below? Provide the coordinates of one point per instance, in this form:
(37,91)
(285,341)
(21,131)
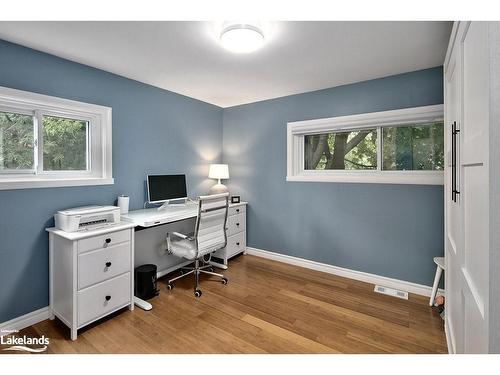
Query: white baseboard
(407,286)
(24,321)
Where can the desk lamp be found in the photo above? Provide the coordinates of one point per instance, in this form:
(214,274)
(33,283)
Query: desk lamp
(218,172)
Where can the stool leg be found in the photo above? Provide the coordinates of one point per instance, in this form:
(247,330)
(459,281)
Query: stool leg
(436,284)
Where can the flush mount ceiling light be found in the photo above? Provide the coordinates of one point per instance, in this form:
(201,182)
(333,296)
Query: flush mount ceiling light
(242,38)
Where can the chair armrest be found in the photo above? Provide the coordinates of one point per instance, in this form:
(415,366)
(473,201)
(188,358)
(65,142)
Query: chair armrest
(175,234)
(183,236)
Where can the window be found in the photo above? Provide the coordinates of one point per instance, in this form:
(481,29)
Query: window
(416,147)
(341,150)
(16,142)
(402,146)
(49,142)
(65,144)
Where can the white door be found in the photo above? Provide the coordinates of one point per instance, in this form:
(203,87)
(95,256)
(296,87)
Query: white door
(453,203)
(467,225)
(475,185)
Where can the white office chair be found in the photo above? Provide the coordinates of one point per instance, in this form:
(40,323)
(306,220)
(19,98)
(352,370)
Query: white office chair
(209,236)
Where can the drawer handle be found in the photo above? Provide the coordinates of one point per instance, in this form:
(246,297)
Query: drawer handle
(108,240)
(237,210)
(237,244)
(108,298)
(108,264)
(237,224)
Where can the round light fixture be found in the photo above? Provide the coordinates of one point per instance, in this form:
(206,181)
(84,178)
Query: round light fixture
(242,38)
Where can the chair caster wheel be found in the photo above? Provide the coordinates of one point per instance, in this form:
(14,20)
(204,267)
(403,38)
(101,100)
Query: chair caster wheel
(181,272)
(197,293)
(224,281)
(170,286)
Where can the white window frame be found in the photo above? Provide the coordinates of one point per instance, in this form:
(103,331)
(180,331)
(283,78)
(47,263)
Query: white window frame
(376,120)
(99,141)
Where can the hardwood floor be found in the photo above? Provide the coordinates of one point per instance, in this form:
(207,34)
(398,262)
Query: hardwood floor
(267,307)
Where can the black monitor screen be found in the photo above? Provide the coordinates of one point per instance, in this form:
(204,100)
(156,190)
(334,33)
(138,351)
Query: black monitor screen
(166,187)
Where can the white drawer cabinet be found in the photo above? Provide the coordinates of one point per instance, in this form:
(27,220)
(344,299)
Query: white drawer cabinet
(236,230)
(91,274)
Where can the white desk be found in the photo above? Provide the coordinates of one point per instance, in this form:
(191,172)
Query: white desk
(152,217)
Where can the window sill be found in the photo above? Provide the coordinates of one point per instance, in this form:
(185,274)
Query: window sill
(32,183)
(418,178)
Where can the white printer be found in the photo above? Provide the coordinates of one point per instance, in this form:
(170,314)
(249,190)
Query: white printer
(87,218)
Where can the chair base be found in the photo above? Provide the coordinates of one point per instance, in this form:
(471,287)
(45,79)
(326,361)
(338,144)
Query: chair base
(196,270)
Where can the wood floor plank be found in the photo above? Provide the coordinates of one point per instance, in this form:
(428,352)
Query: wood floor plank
(267,307)
(308,344)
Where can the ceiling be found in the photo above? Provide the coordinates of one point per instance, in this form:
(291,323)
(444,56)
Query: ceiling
(185,57)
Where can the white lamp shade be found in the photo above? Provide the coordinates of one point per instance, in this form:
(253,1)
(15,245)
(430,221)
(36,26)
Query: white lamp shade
(218,171)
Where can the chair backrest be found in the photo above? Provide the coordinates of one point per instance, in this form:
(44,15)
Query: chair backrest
(210,231)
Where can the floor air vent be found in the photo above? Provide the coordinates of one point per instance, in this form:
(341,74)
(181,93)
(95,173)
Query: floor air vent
(391,292)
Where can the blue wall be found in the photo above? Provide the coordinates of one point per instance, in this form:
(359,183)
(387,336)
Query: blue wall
(153,131)
(389,230)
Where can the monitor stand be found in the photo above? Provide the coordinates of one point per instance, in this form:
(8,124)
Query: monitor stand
(173,202)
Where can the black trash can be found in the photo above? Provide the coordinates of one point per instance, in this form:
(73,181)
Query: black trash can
(145,281)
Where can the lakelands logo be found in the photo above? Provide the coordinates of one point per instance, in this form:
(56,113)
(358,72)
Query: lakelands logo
(24,343)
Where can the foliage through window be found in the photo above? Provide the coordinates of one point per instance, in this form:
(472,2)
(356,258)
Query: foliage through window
(341,150)
(64,144)
(16,142)
(419,147)
(414,147)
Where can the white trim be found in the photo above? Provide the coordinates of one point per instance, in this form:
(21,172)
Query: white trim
(99,153)
(374,177)
(12,184)
(449,336)
(374,120)
(369,120)
(370,278)
(24,321)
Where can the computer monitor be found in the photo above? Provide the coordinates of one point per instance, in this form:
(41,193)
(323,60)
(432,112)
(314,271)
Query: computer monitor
(164,188)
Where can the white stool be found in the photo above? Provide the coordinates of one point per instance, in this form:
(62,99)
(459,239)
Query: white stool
(439,270)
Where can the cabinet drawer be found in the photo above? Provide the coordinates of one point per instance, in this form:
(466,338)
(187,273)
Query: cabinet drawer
(235,224)
(98,300)
(101,242)
(99,265)
(237,210)
(236,244)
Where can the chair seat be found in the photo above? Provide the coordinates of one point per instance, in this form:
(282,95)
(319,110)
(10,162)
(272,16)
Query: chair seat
(187,249)
(184,249)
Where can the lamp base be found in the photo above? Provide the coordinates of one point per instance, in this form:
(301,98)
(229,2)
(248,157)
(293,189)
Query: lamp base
(218,189)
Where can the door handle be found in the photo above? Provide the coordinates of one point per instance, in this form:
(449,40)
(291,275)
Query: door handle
(454,132)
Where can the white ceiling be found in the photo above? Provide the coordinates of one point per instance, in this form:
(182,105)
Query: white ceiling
(186,58)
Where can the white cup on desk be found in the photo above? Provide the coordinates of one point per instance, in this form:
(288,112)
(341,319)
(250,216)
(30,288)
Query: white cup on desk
(123,202)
